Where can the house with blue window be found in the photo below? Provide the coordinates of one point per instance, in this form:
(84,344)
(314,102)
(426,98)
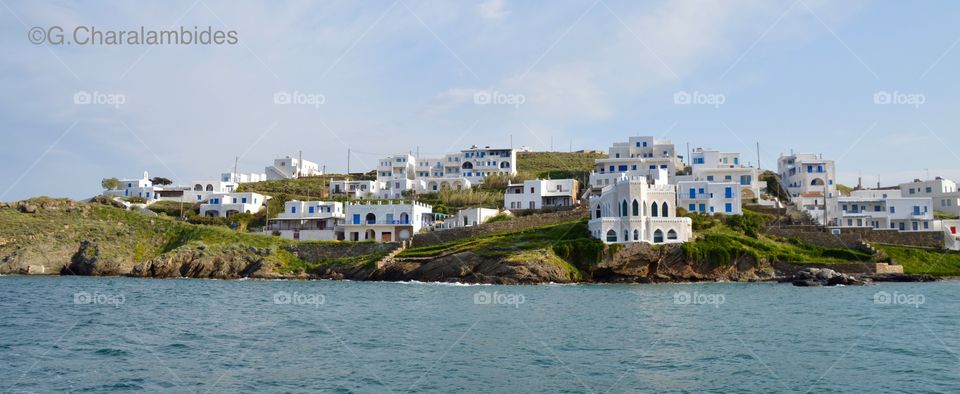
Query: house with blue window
(453,171)
(227,204)
(885,209)
(386,221)
(712,165)
(308,221)
(710,197)
(639,156)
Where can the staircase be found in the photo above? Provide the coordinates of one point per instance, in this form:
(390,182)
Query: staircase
(390,256)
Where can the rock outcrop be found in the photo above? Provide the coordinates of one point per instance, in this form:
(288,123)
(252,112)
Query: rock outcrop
(808,277)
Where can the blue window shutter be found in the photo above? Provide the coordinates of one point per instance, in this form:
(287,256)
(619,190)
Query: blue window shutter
(728,207)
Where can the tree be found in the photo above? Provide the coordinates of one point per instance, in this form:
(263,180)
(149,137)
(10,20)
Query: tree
(161,181)
(110,183)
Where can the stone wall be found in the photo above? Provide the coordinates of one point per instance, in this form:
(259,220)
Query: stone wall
(851,237)
(517,223)
(317,251)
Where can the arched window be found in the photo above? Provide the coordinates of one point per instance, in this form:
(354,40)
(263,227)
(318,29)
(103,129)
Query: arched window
(626,236)
(816,182)
(665,212)
(467,165)
(209,188)
(623,208)
(636,235)
(611,236)
(198,187)
(653,210)
(658,236)
(597,212)
(636,208)
(672,235)
(371,218)
(404,218)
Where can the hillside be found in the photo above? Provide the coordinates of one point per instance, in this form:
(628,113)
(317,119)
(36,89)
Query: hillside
(556,165)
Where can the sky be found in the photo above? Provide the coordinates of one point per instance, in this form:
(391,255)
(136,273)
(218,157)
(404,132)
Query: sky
(872,85)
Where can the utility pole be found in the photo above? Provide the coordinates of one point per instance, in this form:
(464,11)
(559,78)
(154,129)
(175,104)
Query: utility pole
(300,164)
(348,161)
(687,159)
(236,160)
(758,155)
(551,143)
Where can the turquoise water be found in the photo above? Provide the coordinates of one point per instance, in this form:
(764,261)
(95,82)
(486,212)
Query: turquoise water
(118,334)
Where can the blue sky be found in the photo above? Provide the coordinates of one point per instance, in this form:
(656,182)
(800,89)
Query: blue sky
(396,76)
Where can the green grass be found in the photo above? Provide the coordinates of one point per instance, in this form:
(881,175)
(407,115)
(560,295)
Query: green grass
(458,199)
(921,261)
(312,188)
(557,165)
(722,245)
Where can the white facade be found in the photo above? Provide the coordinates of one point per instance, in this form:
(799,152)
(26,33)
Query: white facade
(308,220)
(455,171)
(946,197)
(289,167)
(226,204)
(885,209)
(951,233)
(542,193)
(469,217)
(806,173)
(354,189)
(710,197)
(640,154)
(142,187)
(386,222)
(715,166)
(201,191)
(635,210)
(242,178)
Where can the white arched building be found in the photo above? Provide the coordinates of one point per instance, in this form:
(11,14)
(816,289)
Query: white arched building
(632,209)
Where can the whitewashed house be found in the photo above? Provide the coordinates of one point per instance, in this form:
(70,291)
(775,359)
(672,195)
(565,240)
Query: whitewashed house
(289,167)
(946,197)
(639,156)
(634,209)
(710,197)
(454,171)
(807,173)
(201,191)
(354,189)
(539,194)
(242,178)
(386,221)
(142,187)
(308,221)
(709,165)
(469,217)
(951,234)
(885,210)
(227,204)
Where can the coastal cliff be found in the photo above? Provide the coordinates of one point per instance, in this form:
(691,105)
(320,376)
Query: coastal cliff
(62,237)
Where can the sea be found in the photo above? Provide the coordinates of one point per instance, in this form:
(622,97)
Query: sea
(103,334)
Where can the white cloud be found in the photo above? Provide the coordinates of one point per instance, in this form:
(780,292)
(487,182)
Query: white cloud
(493,9)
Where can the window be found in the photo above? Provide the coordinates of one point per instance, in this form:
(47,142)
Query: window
(929,189)
(810,169)
(728,208)
(672,235)
(703,208)
(692,207)
(636,208)
(611,236)
(531,190)
(658,236)
(926,225)
(654,209)
(623,208)
(693,193)
(293,209)
(622,168)
(916,210)
(636,235)
(728,192)
(356,218)
(893,209)
(710,178)
(243,200)
(666,210)
(311,209)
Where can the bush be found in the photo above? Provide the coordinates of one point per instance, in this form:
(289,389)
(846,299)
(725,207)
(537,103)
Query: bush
(136,200)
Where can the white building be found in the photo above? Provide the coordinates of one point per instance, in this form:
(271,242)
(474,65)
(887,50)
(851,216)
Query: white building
(946,197)
(709,165)
(643,155)
(806,173)
(288,167)
(386,222)
(142,187)
(542,193)
(226,204)
(200,191)
(469,217)
(242,178)
(885,209)
(454,171)
(710,197)
(308,221)
(354,189)
(636,210)
(951,233)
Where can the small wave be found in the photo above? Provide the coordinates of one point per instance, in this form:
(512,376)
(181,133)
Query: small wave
(453,284)
(112,352)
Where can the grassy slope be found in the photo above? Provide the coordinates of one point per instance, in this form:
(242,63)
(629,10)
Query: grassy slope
(130,236)
(921,261)
(556,165)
